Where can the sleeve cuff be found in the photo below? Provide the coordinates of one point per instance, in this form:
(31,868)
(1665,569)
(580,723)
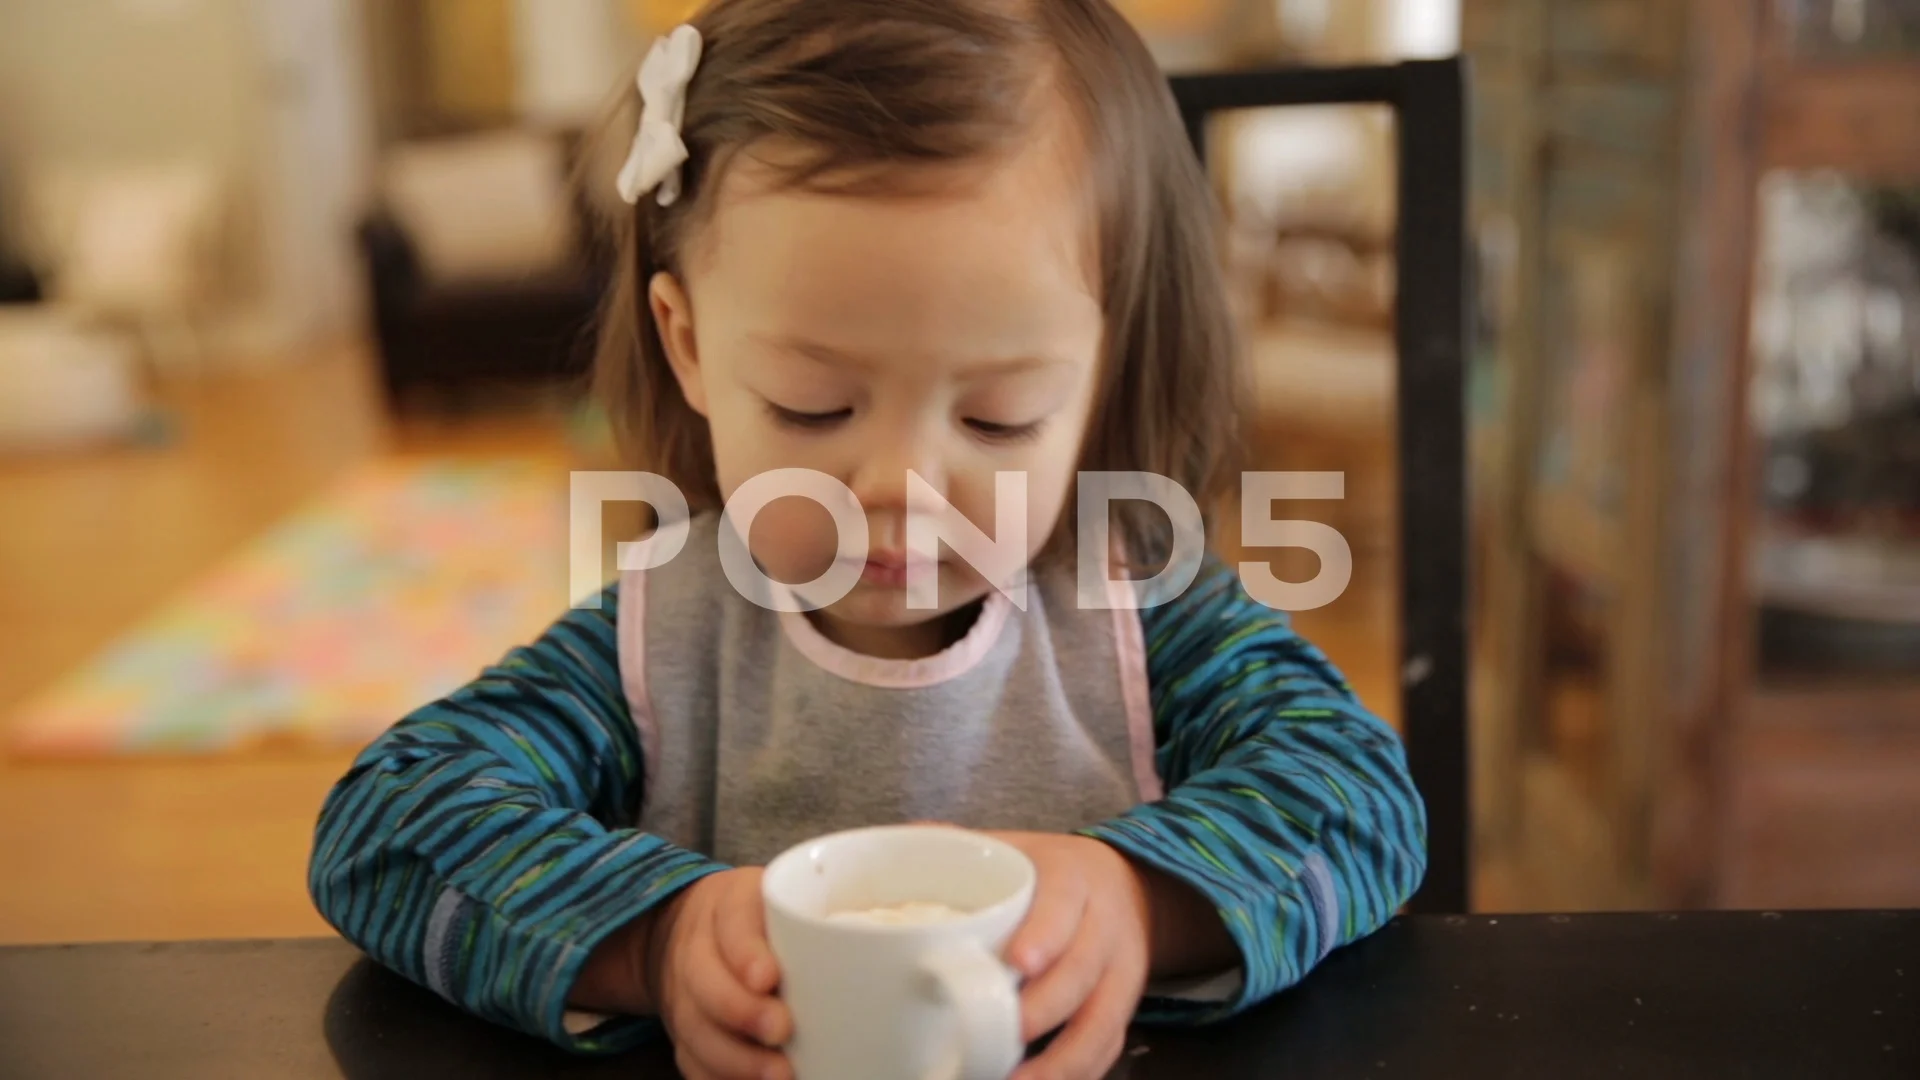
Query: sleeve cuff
(536,949)
(1208,998)
(600,916)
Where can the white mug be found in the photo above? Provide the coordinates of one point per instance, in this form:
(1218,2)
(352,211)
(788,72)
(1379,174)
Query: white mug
(931,1001)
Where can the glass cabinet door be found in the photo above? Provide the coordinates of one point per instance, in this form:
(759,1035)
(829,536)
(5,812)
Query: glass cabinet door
(1823,765)
(1833,29)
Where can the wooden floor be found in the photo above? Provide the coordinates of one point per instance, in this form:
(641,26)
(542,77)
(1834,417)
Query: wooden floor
(137,848)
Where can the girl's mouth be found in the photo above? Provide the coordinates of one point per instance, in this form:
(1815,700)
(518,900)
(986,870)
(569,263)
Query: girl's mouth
(888,569)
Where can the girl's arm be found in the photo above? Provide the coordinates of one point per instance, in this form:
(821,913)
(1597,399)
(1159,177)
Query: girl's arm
(1289,809)
(479,846)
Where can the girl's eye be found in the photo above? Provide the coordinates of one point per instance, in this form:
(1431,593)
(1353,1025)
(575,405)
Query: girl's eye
(807,421)
(1005,433)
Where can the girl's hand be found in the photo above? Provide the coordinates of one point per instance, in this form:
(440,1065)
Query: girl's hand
(716,977)
(702,964)
(1084,950)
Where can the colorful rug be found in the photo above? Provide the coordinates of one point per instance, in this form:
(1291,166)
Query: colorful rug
(388,591)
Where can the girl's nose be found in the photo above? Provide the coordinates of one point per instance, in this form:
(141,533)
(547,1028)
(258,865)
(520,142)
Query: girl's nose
(881,478)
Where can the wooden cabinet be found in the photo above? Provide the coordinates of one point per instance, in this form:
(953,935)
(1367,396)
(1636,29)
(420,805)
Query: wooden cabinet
(1634,744)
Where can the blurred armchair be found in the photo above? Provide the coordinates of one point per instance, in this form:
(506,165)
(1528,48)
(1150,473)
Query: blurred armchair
(135,245)
(481,266)
(18,283)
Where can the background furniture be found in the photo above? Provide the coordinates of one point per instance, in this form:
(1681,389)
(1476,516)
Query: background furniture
(64,381)
(1430,309)
(138,245)
(1646,996)
(482,265)
(1637,745)
(18,283)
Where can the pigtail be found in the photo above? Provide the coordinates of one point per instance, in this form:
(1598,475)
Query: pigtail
(1173,391)
(654,428)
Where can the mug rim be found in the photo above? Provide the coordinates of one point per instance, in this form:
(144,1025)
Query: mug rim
(1023,894)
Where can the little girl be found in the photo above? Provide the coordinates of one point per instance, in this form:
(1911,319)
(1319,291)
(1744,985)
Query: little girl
(872,238)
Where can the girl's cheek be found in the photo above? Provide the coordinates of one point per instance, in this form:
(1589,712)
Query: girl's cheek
(794,539)
(1048,482)
(1044,521)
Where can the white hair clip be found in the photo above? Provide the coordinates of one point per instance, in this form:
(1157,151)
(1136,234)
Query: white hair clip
(658,151)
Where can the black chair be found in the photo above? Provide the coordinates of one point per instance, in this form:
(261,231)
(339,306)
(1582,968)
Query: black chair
(18,284)
(454,337)
(1431,330)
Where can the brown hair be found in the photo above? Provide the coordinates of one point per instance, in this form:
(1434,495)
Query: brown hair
(866,87)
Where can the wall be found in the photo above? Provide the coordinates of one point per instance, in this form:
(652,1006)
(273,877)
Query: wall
(572,57)
(447,66)
(1353,31)
(317,164)
(270,91)
(85,81)
(469,57)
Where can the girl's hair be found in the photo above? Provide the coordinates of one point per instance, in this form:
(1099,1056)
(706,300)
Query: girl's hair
(868,89)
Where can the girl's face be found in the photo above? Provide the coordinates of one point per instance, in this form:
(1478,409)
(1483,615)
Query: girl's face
(954,332)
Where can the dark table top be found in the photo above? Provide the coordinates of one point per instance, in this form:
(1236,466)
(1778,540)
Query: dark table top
(1695,996)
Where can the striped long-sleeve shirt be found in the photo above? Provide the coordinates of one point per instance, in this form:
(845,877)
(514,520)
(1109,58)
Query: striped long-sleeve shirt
(485,845)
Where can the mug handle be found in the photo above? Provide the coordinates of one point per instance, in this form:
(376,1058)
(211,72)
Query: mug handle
(985,998)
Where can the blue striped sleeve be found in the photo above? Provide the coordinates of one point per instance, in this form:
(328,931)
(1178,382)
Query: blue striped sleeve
(1289,805)
(482,847)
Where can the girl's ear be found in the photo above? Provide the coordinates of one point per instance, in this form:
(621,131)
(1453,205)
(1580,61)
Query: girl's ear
(673,319)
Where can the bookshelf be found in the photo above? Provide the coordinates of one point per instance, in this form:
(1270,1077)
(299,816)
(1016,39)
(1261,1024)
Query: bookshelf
(1679,706)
